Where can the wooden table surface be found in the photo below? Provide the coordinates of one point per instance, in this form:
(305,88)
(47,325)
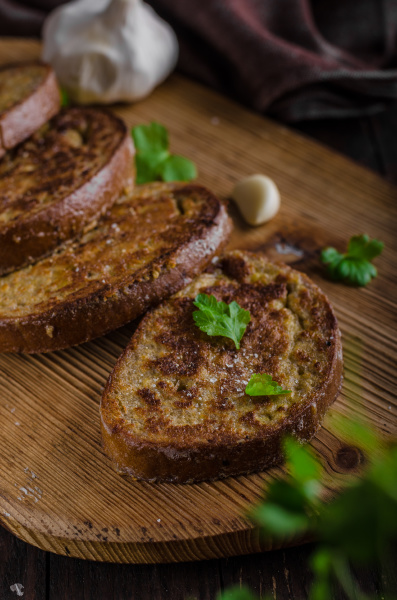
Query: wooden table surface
(284,574)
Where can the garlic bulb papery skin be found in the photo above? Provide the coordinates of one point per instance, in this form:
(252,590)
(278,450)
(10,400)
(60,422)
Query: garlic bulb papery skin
(106,51)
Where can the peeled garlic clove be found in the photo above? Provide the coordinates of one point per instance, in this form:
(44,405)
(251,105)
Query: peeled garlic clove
(258,199)
(108,50)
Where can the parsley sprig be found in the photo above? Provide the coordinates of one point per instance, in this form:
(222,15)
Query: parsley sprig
(219,318)
(356,528)
(354,266)
(153,159)
(261,384)
(65,100)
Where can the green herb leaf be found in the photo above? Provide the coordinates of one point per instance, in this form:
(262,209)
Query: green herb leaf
(237,593)
(153,159)
(280,521)
(262,384)
(357,433)
(354,266)
(357,527)
(288,494)
(384,474)
(321,562)
(285,512)
(304,468)
(177,168)
(152,138)
(321,589)
(147,166)
(360,246)
(219,318)
(65,100)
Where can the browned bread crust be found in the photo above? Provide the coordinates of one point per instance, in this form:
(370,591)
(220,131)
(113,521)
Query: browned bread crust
(174,408)
(64,176)
(29,97)
(149,245)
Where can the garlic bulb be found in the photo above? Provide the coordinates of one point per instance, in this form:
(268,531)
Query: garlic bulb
(258,198)
(106,51)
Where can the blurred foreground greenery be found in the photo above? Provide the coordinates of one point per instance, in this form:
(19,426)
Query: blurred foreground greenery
(355,529)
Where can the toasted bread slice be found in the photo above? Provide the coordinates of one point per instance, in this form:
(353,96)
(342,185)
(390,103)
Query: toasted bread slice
(29,97)
(175,409)
(148,246)
(60,179)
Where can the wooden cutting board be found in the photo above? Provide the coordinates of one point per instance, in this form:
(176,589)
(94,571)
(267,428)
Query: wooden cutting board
(58,490)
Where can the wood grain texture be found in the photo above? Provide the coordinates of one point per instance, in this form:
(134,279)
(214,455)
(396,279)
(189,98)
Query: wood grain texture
(86,580)
(282,574)
(59,492)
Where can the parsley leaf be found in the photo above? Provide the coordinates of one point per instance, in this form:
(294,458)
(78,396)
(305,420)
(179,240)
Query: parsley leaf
(219,318)
(357,527)
(304,468)
(65,100)
(153,159)
(237,593)
(147,165)
(262,384)
(354,266)
(152,138)
(279,519)
(177,168)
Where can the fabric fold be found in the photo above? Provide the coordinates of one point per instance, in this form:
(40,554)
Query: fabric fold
(294,59)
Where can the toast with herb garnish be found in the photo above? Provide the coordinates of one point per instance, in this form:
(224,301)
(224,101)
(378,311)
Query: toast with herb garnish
(175,406)
(29,97)
(59,181)
(149,245)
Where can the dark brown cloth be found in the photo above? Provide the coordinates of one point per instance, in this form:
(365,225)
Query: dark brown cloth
(295,59)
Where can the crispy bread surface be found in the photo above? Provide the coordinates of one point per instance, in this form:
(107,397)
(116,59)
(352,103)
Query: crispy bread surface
(55,183)
(149,245)
(29,97)
(175,409)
